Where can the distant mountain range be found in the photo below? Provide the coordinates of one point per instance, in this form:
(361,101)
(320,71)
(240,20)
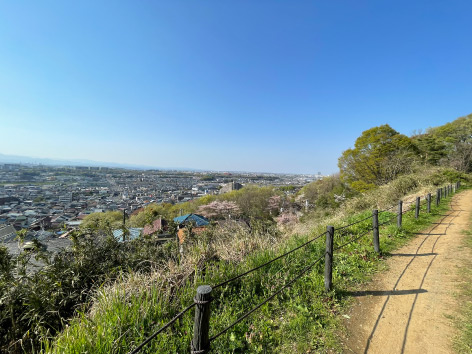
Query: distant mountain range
(78,162)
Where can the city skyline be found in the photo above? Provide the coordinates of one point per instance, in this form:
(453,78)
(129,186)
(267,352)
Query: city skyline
(249,86)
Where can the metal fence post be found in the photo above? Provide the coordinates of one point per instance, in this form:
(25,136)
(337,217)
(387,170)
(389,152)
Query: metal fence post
(417,207)
(375,227)
(438,196)
(200,342)
(400,214)
(429,203)
(329,258)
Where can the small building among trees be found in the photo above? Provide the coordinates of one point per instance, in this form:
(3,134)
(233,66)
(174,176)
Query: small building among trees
(197,222)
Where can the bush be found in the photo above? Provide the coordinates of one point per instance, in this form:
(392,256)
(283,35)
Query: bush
(36,305)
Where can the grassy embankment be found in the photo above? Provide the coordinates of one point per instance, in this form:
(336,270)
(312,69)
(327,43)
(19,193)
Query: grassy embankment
(301,319)
(463,342)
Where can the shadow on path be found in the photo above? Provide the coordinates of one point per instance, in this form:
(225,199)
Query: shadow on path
(395,292)
(412,254)
(386,292)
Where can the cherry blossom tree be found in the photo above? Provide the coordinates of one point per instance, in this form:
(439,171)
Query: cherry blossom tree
(274,204)
(219,209)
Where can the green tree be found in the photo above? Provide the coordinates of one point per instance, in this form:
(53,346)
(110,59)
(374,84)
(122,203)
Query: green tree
(448,145)
(432,149)
(103,221)
(253,201)
(379,155)
(326,193)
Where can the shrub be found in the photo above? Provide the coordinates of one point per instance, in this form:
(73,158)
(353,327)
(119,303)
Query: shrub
(35,305)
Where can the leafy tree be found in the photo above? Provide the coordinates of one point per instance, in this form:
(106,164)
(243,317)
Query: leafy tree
(448,145)
(432,150)
(103,221)
(289,188)
(326,193)
(380,154)
(146,216)
(207,178)
(253,201)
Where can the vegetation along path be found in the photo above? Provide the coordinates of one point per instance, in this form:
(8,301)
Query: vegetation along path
(409,308)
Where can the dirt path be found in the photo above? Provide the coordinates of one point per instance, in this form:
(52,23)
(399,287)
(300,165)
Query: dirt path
(408,309)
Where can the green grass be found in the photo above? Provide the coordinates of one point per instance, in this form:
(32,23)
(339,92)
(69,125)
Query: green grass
(463,342)
(302,319)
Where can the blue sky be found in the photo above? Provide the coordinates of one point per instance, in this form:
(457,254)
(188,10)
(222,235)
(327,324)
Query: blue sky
(276,86)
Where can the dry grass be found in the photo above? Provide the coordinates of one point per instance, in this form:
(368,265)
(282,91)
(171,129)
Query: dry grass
(405,188)
(232,244)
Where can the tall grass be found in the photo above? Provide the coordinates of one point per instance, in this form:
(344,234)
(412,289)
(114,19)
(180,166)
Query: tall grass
(463,341)
(301,319)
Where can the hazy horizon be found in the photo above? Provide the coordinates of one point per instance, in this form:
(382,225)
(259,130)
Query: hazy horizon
(32,160)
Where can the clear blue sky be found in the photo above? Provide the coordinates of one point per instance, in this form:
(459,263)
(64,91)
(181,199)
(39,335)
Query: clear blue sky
(282,86)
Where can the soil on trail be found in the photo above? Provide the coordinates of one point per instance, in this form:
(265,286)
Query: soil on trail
(409,308)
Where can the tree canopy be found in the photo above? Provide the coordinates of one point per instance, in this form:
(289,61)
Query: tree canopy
(448,145)
(326,193)
(379,155)
(103,221)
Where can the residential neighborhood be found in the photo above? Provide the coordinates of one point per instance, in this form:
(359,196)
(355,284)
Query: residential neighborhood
(48,200)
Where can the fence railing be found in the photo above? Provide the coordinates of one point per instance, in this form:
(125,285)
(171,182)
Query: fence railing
(201,341)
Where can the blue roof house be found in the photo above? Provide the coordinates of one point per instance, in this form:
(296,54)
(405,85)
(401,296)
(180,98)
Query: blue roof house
(197,220)
(194,219)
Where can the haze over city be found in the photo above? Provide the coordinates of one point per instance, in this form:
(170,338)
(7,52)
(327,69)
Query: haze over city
(241,86)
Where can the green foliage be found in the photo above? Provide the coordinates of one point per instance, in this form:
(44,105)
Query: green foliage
(379,156)
(289,188)
(109,220)
(38,199)
(327,193)
(207,178)
(35,304)
(150,213)
(463,342)
(303,318)
(432,150)
(448,145)
(253,201)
